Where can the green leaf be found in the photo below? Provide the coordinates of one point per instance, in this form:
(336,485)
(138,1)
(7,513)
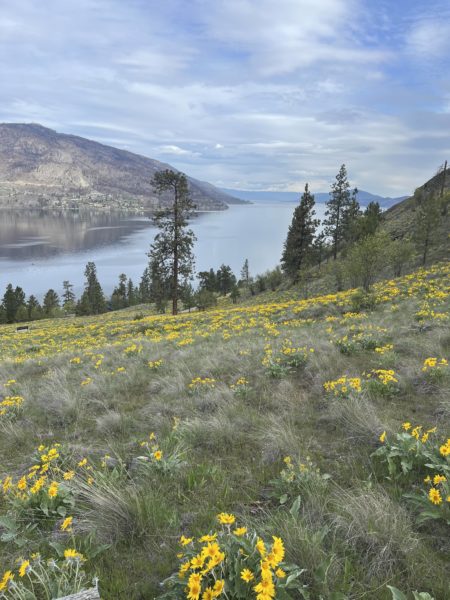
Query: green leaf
(8,523)
(62,511)
(58,547)
(283,498)
(8,537)
(397,594)
(295,508)
(422,596)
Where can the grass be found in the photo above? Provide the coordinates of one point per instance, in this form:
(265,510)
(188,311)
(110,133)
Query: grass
(353,532)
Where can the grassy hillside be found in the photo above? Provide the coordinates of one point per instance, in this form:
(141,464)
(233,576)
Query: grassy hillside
(182,418)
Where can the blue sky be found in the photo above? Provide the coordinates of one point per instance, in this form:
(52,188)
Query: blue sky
(250,94)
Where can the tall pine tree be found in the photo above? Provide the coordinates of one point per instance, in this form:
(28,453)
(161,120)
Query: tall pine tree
(172,246)
(299,242)
(337,207)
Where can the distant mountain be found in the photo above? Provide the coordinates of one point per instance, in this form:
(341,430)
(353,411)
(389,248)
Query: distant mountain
(40,167)
(363,197)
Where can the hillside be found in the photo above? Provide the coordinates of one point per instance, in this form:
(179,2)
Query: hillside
(40,167)
(267,415)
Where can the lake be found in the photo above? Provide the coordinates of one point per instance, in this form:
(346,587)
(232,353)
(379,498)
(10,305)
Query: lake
(39,249)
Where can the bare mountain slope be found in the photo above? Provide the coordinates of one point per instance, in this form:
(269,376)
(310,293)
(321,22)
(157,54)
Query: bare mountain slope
(40,167)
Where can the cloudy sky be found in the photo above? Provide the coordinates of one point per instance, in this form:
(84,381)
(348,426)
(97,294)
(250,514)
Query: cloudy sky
(249,94)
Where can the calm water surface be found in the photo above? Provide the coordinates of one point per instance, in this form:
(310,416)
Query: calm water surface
(40,249)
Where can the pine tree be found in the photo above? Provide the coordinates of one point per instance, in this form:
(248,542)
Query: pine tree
(226,279)
(34,310)
(299,242)
(51,302)
(131,293)
(350,219)
(319,247)
(338,204)
(208,280)
(159,286)
(13,299)
(172,246)
(119,295)
(145,286)
(370,220)
(68,295)
(92,301)
(245,273)
(427,218)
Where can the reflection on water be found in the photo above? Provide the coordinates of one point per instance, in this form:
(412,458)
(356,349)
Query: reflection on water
(40,249)
(39,234)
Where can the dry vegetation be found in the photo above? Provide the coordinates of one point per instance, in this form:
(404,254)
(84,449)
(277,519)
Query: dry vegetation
(234,402)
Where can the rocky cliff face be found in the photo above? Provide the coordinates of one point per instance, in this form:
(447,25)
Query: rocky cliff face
(40,167)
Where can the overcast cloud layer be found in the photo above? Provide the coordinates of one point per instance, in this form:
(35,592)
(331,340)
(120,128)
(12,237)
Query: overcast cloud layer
(250,94)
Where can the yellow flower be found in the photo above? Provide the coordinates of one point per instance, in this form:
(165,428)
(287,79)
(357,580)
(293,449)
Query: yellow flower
(280,573)
(261,547)
(184,541)
(240,531)
(82,462)
(53,489)
(247,575)
(218,587)
(208,594)
(69,475)
(22,484)
(439,479)
(157,455)
(435,496)
(23,568)
(208,538)
(7,576)
(427,479)
(67,524)
(72,554)
(226,518)
(383,437)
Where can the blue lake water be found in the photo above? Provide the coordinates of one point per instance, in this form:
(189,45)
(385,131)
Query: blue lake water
(40,249)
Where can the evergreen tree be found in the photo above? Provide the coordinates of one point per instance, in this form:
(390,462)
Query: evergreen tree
(145,286)
(370,220)
(337,206)
(119,296)
(51,302)
(159,286)
(226,280)
(13,299)
(172,246)
(427,218)
(33,308)
(245,273)
(92,301)
(68,295)
(299,242)
(350,220)
(319,247)
(234,294)
(131,293)
(208,280)
(188,296)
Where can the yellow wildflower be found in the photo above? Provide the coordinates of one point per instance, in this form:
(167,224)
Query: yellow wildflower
(23,568)
(434,496)
(247,575)
(226,518)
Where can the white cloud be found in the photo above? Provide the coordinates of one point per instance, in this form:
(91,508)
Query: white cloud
(429,39)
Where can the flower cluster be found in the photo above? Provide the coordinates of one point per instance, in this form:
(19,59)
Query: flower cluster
(198,384)
(232,563)
(36,577)
(342,387)
(11,405)
(435,368)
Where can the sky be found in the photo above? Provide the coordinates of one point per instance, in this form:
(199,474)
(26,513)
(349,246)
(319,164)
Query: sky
(245,94)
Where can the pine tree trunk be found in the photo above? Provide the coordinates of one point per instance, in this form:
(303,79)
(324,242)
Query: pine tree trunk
(175,258)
